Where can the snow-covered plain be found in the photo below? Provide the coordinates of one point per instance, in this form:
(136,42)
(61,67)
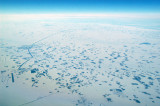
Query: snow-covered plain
(68,61)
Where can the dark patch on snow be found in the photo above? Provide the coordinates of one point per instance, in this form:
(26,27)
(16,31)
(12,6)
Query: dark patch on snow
(34,70)
(134,84)
(137,101)
(145,43)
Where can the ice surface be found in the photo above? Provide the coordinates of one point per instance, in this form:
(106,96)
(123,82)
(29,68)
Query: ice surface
(65,62)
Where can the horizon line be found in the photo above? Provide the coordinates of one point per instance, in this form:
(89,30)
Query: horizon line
(85,15)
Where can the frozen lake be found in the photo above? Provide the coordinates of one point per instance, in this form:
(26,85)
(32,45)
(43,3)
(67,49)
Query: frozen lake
(79,61)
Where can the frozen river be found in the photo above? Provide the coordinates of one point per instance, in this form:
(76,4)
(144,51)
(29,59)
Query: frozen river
(79,61)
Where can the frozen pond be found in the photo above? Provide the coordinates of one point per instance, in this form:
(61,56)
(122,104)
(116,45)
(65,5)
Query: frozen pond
(75,61)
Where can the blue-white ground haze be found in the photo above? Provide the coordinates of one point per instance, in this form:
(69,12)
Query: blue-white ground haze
(79,53)
(59,60)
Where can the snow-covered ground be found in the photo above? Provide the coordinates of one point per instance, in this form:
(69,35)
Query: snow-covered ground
(79,61)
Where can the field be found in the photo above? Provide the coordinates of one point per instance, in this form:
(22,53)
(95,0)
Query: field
(79,61)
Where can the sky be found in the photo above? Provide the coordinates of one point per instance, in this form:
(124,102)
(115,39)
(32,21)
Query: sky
(79,6)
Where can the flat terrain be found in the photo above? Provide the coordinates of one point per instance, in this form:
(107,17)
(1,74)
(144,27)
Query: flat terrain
(84,62)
